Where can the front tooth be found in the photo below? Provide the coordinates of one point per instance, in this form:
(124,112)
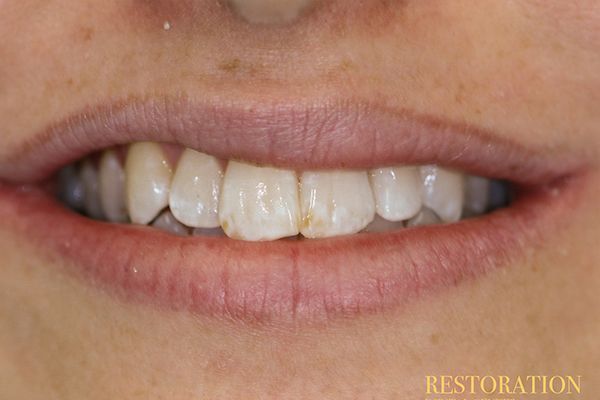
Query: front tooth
(477,194)
(443,192)
(194,198)
(148,178)
(335,203)
(112,187)
(397,192)
(167,222)
(91,198)
(259,203)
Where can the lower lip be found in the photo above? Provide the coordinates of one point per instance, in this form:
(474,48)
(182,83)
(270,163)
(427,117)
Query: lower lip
(284,281)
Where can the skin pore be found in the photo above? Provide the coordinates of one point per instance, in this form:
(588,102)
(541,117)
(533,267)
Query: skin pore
(526,70)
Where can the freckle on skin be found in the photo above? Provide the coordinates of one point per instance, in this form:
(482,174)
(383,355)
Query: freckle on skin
(434,339)
(230,65)
(85,33)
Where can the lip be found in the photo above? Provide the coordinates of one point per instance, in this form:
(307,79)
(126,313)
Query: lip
(289,134)
(286,281)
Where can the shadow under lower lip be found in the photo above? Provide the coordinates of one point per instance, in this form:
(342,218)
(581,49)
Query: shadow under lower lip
(284,281)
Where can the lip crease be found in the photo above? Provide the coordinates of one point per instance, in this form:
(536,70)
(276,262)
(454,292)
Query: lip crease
(286,281)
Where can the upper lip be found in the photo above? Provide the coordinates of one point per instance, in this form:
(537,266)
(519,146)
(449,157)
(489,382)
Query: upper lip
(316,135)
(312,279)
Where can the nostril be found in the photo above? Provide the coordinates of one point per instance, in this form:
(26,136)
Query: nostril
(269,11)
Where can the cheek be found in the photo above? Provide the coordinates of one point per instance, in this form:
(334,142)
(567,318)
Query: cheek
(578,20)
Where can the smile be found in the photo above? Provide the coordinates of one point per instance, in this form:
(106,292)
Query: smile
(192,206)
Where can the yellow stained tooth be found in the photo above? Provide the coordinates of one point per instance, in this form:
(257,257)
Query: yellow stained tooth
(195,190)
(259,203)
(148,179)
(335,203)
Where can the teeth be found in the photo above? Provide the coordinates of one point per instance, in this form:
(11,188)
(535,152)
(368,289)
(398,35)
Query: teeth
(424,217)
(167,222)
(71,191)
(91,198)
(335,203)
(259,203)
(256,203)
(397,192)
(443,192)
(477,194)
(195,190)
(148,177)
(111,179)
(383,225)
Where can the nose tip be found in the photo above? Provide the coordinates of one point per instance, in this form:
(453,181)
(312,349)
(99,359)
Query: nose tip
(270,11)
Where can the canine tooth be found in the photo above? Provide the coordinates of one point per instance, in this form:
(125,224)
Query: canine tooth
(112,187)
(477,194)
(259,203)
(383,225)
(70,188)
(443,192)
(424,217)
(91,198)
(397,192)
(148,178)
(335,203)
(167,222)
(195,190)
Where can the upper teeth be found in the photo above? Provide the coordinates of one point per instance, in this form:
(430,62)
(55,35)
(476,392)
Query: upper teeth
(335,203)
(262,203)
(148,175)
(195,190)
(259,203)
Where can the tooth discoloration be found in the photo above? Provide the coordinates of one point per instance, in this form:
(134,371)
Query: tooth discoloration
(335,203)
(206,196)
(148,180)
(259,203)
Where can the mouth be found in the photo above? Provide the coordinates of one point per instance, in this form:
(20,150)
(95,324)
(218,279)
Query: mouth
(283,212)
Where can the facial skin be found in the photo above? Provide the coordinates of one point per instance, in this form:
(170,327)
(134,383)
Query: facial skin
(527,70)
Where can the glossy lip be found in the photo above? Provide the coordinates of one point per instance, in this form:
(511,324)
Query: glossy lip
(286,281)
